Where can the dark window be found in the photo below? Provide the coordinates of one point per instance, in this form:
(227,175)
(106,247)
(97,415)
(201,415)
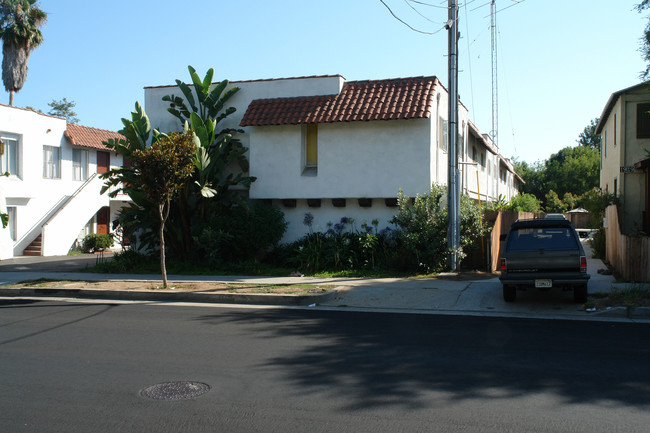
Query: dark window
(643,120)
(534,239)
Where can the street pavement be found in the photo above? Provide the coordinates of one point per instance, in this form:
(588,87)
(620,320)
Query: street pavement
(463,293)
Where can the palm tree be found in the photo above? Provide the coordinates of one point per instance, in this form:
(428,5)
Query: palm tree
(20,21)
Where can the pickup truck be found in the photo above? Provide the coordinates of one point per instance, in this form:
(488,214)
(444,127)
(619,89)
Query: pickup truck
(543,253)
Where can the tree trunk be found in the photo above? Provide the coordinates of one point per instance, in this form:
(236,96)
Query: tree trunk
(11,98)
(163,268)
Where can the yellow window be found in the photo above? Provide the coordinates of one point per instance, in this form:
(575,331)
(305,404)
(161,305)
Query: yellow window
(311,146)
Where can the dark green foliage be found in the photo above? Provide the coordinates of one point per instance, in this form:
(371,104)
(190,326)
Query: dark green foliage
(241,233)
(418,244)
(525,203)
(645,41)
(588,137)
(598,246)
(96,242)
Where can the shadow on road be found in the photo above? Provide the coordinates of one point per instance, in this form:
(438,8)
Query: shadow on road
(369,360)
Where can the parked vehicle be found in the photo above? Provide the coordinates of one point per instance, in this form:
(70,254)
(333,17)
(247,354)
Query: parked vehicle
(543,253)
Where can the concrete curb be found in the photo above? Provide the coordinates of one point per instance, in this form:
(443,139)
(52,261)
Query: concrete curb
(138,295)
(625,312)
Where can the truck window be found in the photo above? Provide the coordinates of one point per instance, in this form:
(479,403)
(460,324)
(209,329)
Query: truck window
(547,238)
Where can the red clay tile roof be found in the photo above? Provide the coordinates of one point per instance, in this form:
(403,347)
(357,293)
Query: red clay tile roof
(401,98)
(86,136)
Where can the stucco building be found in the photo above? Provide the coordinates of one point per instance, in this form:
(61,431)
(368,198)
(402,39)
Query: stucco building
(52,191)
(624,128)
(337,148)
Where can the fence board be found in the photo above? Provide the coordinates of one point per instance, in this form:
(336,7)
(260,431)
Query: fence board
(629,255)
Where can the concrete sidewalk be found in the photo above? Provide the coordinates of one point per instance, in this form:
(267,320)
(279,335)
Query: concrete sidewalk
(475,294)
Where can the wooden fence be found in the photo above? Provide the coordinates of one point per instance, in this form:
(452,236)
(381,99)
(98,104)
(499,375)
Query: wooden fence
(501,223)
(629,255)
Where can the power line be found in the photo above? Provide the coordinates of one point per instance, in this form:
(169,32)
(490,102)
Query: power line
(429,4)
(417,11)
(508,7)
(407,24)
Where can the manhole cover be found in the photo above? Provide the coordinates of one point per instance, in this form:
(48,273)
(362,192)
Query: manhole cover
(175,390)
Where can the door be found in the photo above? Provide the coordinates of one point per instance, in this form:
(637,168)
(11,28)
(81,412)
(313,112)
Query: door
(103,162)
(103,220)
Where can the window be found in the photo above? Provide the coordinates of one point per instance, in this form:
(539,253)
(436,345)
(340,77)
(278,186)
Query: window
(474,153)
(643,120)
(79,164)
(11,211)
(615,129)
(482,161)
(605,143)
(9,155)
(443,134)
(310,148)
(615,187)
(51,162)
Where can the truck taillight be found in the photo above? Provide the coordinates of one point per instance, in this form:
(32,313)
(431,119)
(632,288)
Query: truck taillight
(583,264)
(502,264)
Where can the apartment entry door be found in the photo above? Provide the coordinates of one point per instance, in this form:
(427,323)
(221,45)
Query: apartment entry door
(103,220)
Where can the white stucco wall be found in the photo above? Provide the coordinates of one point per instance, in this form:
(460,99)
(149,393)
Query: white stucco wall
(355,159)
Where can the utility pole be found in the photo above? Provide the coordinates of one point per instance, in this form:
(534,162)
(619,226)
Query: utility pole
(453,199)
(494,134)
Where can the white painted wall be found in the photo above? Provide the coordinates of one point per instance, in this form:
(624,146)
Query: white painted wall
(355,159)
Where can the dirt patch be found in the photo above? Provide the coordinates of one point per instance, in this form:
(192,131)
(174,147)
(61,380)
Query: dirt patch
(156,286)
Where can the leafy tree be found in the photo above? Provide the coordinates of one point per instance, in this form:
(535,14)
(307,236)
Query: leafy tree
(423,223)
(588,136)
(63,108)
(525,203)
(162,169)
(553,203)
(207,192)
(573,169)
(534,175)
(220,163)
(645,40)
(20,22)
(570,200)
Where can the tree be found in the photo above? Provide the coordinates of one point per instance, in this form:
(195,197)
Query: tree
(162,169)
(525,203)
(63,108)
(553,203)
(20,22)
(204,195)
(573,169)
(645,40)
(588,136)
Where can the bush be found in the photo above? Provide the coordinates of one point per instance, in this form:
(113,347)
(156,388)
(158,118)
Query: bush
(96,242)
(423,225)
(525,203)
(241,234)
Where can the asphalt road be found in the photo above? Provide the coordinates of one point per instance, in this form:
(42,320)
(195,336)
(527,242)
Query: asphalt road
(80,367)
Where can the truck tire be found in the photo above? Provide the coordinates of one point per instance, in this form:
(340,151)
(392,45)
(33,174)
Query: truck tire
(509,293)
(580,294)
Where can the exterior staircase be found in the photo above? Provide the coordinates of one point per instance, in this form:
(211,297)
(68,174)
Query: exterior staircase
(34,249)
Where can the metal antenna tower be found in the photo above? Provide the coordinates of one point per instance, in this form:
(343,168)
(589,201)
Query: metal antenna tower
(494,134)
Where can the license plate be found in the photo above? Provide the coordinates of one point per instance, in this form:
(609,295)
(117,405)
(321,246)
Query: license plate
(543,283)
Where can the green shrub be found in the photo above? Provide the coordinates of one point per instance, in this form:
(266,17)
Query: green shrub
(96,242)
(241,234)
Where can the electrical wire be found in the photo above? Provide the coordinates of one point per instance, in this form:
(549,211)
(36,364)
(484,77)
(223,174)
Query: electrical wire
(417,11)
(407,24)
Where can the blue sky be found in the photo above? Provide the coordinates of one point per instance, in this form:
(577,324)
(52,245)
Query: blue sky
(559,60)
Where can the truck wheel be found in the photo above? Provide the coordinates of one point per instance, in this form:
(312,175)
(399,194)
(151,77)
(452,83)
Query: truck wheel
(580,293)
(509,293)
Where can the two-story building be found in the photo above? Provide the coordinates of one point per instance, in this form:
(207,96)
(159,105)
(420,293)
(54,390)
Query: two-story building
(624,128)
(338,148)
(51,191)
